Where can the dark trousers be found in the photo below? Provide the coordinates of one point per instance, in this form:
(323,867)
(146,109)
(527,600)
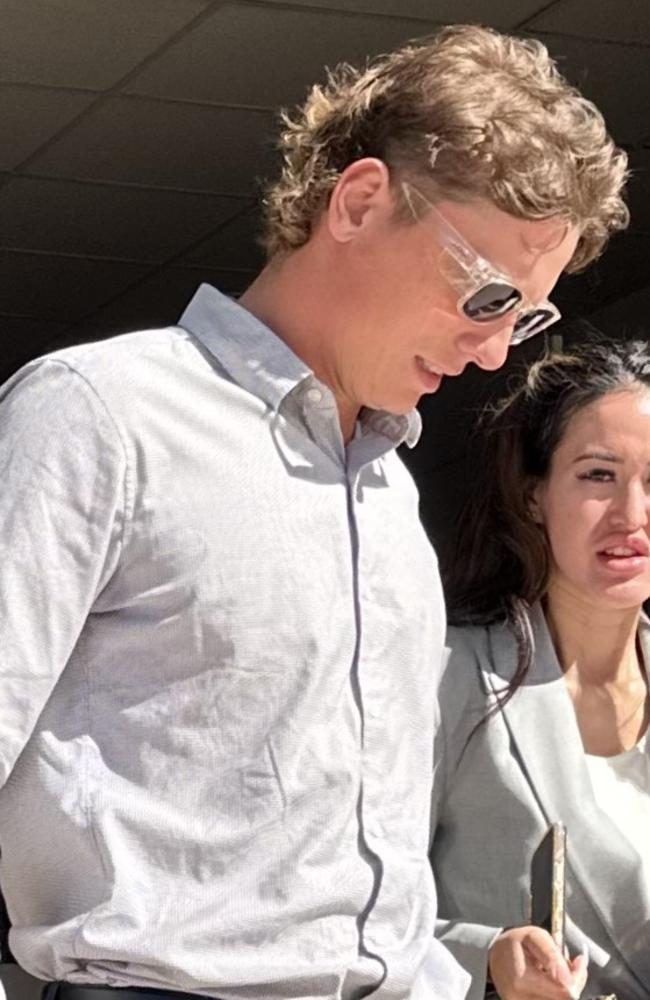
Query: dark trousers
(77,991)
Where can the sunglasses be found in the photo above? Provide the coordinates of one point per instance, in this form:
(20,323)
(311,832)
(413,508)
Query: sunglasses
(486,294)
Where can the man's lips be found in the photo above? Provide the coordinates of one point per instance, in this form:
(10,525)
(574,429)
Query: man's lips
(430,369)
(430,377)
(426,365)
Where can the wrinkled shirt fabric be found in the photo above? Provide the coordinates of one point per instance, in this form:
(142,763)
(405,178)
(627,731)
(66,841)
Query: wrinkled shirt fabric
(220,635)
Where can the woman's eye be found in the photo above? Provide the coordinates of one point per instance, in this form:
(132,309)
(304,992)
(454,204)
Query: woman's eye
(598,475)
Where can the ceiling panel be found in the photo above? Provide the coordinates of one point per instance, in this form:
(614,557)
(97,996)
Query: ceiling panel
(250,54)
(615,77)
(101,220)
(639,189)
(577,294)
(59,288)
(615,22)
(500,13)
(160,299)
(165,144)
(64,44)
(233,245)
(623,268)
(626,317)
(30,116)
(23,339)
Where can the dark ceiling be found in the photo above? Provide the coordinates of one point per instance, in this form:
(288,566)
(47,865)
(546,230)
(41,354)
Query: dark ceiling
(135,134)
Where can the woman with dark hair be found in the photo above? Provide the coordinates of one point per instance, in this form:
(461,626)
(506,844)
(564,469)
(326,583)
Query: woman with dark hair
(544,701)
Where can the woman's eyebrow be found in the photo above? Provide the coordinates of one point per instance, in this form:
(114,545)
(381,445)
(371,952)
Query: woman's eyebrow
(599,456)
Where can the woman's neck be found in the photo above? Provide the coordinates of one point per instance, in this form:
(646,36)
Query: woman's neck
(603,670)
(596,642)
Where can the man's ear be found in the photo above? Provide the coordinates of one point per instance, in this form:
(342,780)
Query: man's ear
(362,190)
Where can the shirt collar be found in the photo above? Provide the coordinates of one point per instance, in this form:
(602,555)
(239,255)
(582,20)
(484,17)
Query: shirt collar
(262,363)
(249,351)
(397,428)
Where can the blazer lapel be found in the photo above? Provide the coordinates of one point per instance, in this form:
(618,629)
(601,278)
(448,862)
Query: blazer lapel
(544,729)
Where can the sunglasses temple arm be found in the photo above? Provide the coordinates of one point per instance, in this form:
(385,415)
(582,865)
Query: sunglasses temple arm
(453,240)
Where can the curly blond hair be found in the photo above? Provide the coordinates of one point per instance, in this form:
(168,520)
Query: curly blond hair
(476,114)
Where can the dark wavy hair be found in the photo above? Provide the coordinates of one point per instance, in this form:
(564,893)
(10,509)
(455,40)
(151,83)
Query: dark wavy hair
(500,563)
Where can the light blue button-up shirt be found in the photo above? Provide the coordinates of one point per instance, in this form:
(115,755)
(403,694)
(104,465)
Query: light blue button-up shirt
(220,635)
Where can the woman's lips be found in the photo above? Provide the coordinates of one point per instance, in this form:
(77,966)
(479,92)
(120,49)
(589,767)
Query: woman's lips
(624,558)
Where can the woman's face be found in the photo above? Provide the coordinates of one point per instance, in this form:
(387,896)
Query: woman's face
(595,502)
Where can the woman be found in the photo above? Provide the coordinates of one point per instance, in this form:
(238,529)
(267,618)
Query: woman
(544,701)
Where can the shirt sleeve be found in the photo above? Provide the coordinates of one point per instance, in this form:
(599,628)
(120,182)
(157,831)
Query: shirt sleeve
(468,942)
(470,945)
(62,511)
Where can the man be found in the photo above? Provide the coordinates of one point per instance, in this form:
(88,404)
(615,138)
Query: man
(222,624)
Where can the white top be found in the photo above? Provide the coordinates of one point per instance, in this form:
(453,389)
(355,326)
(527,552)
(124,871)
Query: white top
(221,634)
(621,786)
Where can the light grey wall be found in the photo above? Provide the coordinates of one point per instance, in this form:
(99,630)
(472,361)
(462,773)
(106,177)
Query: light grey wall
(18,985)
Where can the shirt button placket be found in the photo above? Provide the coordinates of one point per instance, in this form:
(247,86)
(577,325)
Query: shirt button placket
(371,685)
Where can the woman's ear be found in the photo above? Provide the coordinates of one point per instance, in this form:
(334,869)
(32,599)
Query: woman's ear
(533,501)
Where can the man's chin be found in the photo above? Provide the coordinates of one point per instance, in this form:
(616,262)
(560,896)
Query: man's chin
(402,407)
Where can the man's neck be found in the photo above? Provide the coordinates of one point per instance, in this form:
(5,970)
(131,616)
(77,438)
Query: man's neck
(290,298)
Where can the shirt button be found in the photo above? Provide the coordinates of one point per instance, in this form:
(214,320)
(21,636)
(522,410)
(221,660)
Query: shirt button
(314,395)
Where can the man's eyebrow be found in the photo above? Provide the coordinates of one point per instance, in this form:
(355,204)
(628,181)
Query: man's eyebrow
(599,456)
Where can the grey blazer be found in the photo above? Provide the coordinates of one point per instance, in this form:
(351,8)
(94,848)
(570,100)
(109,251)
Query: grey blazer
(494,799)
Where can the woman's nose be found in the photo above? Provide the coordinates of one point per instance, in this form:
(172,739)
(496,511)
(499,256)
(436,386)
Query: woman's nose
(630,509)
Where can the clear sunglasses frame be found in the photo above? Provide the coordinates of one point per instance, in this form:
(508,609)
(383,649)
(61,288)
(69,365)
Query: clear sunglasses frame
(468,272)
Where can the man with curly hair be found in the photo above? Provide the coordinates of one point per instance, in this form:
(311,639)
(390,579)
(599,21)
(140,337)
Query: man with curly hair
(222,623)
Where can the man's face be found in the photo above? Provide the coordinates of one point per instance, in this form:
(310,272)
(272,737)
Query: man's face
(405,332)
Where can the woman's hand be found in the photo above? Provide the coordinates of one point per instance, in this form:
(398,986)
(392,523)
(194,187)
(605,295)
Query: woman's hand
(526,964)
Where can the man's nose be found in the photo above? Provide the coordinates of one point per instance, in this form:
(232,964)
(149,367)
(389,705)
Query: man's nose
(491,350)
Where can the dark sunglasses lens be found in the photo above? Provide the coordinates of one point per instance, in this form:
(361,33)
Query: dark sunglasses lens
(528,323)
(491,301)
